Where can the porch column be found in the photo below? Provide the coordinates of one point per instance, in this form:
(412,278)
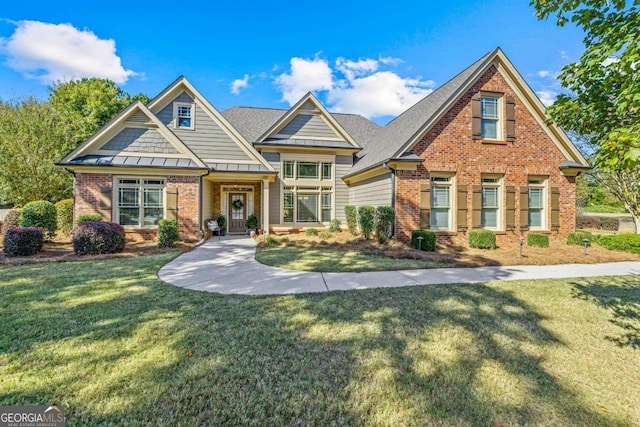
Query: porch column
(265,206)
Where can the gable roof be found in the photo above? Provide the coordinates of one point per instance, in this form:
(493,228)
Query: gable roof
(402,133)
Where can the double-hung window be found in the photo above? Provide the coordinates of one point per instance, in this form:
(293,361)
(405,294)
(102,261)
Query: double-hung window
(140,202)
(490,124)
(491,200)
(307,191)
(441,219)
(183,115)
(537,203)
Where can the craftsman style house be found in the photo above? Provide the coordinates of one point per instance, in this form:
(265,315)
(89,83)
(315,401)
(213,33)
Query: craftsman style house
(475,153)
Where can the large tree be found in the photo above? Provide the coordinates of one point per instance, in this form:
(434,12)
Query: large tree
(31,140)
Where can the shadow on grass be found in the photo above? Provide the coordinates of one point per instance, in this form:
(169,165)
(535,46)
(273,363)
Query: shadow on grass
(622,301)
(115,345)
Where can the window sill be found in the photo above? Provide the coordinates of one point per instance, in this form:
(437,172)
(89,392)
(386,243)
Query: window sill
(445,233)
(493,141)
(540,231)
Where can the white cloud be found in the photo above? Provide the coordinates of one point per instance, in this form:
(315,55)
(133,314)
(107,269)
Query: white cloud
(238,84)
(547,97)
(354,86)
(544,73)
(52,52)
(306,75)
(388,60)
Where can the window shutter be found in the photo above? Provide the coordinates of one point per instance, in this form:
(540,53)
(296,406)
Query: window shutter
(106,201)
(511,119)
(511,208)
(555,208)
(476,218)
(476,114)
(524,208)
(461,218)
(425,206)
(172,202)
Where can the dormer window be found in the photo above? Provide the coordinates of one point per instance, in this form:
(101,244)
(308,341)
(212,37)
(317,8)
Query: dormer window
(183,115)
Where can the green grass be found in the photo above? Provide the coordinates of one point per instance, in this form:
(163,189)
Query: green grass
(332,260)
(604,209)
(110,342)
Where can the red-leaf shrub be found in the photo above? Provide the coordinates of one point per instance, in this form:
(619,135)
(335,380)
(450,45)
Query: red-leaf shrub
(23,241)
(98,237)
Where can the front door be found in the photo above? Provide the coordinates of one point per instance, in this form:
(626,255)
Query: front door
(237,212)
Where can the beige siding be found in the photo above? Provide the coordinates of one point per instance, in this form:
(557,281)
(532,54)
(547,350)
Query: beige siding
(139,140)
(305,126)
(207,200)
(374,191)
(343,165)
(274,188)
(139,117)
(208,140)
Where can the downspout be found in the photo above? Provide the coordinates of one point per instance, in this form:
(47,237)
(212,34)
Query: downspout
(393,195)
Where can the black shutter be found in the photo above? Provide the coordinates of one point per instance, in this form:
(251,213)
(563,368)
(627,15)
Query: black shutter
(476,215)
(524,208)
(511,119)
(476,115)
(461,217)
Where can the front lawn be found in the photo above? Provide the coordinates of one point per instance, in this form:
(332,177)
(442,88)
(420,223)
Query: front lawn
(116,346)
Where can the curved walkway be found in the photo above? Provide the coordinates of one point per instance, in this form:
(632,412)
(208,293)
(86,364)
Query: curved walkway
(229,267)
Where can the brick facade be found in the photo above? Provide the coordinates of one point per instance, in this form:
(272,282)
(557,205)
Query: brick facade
(449,147)
(90,186)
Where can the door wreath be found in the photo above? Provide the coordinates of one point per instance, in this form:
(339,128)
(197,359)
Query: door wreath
(237,205)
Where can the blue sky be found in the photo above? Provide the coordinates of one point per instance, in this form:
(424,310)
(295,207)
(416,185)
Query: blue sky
(371,58)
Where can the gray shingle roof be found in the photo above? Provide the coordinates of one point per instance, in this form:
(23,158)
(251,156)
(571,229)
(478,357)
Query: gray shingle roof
(389,140)
(133,161)
(253,122)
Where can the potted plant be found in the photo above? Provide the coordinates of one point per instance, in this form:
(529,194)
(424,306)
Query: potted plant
(222,223)
(252,223)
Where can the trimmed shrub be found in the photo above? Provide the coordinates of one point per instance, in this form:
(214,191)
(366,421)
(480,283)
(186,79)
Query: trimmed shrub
(270,241)
(23,241)
(40,214)
(168,233)
(598,222)
(12,220)
(428,240)
(97,237)
(89,217)
(366,215)
(351,214)
(311,232)
(384,222)
(539,240)
(482,239)
(576,238)
(64,215)
(621,242)
(334,225)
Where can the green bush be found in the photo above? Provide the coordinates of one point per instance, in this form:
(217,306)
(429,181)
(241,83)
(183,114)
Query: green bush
(40,214)
(482,239)
(311,231)
(284,240)
(98,237)
(64,215)
(221,220)
(334,225)
(384,222)
(366,215)
(621,242)
(252,222)
(168,233)
(539,240)
(12,220)
(576,238)
(23,241)
(270,241)
(428,240)
(351,214)
(89,217)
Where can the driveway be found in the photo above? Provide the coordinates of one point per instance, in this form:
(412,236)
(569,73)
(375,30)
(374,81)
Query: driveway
(229,267)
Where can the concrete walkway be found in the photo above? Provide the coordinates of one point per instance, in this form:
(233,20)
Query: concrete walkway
(228,266)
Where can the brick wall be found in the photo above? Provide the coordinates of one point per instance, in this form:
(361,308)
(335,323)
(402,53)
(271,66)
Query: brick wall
(449,147)
(87,200)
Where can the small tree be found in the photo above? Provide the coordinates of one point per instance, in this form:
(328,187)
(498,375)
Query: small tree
(366,215)
(352,219)
(40,214)
(384,222)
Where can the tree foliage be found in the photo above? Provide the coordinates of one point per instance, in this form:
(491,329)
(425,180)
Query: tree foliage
(604,102)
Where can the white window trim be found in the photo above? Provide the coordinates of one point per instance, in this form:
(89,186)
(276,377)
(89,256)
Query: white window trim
(499,185)
(544,223)
(115,199)
(499,121)
(307,189)
(451,185)
(191,105)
